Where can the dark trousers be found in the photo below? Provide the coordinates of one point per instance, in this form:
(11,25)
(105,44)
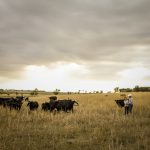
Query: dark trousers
(130,108)
(126,108)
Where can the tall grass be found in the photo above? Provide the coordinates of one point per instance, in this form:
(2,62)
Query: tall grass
(97,123)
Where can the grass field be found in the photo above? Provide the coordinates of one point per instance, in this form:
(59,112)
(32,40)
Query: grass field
(96,124)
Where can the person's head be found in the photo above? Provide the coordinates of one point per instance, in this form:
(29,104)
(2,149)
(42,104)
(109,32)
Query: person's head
(129,96)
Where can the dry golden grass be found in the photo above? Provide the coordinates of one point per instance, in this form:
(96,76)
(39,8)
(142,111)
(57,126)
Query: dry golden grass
(96,124)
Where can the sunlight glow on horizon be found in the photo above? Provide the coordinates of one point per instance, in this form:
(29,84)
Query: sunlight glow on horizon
(72,77)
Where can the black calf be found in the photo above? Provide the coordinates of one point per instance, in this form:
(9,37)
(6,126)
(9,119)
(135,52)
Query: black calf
(33,105)
(120,102)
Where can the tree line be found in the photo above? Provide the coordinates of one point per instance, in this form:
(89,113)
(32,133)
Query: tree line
(135,89)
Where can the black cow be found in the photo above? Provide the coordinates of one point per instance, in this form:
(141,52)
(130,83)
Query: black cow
(12,103)
(33,105)
(64,105)
(120,102)
(53,98)
(16,103)
(46,106)
(21,98)
(4,100)
(49,106)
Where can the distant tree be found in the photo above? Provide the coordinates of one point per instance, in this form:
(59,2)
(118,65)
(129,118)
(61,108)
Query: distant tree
(34,92)
(56,91)
(145,89)
(101,91)
(141,89)
(2,91)
(136,88)
(16,93)
(126,90)
(69,93)
(8,93)
(116,89)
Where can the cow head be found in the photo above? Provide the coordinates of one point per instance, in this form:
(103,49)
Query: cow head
(75,103)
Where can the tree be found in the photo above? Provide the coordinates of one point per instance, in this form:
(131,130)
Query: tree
(2,91)
(116,89)
(136,88)
(34,92)
(101,91)
(16,93)
(141,89)
(126,90)
(56,91)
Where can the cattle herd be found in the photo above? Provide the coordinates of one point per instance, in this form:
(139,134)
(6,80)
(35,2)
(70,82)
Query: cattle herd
(65,105)
(12,103)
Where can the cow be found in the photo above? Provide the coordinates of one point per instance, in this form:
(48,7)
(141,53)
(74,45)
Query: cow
(12,103)
(120,102)
(46,106)
(49,106)
(64,105)
(33,105)
(53,98)
(4,100)
(21,98)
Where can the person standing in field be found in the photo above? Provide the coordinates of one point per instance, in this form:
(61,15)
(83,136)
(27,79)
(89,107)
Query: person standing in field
(126,106)
(130,103)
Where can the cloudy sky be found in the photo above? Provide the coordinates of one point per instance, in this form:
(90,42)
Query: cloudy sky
(74,44)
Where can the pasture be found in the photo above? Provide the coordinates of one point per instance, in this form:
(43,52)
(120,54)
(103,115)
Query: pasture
(96,124)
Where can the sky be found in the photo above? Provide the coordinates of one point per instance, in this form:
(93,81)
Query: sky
(74,45)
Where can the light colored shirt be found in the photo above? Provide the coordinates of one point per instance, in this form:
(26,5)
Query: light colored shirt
(126,102)
(130,100)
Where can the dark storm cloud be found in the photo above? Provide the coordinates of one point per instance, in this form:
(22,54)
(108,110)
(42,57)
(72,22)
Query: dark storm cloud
(35,32)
